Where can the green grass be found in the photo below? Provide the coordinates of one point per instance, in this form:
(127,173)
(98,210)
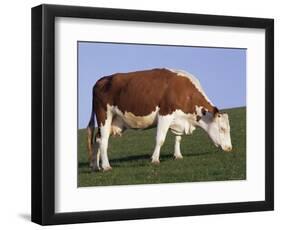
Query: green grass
(130,154)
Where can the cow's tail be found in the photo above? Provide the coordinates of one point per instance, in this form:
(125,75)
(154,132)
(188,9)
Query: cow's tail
(90,132)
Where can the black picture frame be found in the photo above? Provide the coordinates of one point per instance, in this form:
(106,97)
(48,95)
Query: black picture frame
(43,114)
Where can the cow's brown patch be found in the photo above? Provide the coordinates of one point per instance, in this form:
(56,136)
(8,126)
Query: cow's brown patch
(141,92)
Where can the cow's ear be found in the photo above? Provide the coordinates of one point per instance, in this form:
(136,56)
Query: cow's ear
(215,111)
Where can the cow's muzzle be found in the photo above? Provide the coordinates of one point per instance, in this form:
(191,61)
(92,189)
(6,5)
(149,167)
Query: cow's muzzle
(227,148)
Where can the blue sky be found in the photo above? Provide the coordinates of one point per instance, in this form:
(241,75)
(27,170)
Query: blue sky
(221,71)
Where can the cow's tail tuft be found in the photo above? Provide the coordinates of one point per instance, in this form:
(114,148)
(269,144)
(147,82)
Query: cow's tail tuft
(90,132)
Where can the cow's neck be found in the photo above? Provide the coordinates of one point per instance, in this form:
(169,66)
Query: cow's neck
(200,101)
(205,121)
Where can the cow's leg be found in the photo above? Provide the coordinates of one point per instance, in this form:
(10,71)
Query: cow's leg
(177,153)
(105,132)
(95,163)
(163,125)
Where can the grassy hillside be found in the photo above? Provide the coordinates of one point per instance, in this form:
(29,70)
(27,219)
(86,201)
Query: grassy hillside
(130,154)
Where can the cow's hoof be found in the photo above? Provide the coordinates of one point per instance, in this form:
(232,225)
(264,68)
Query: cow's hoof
(178,157)
(96,169)
(155,162)
(106,169)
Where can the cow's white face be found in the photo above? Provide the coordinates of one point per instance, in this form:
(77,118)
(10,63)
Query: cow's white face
(218,129)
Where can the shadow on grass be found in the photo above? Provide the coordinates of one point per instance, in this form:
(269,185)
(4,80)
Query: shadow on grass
(118,162)
(145,158)
(199,154)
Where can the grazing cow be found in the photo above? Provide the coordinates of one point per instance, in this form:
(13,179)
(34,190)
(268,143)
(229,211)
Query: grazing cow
(164,98)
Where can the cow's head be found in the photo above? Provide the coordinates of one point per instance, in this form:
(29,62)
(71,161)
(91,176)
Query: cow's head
(218,129)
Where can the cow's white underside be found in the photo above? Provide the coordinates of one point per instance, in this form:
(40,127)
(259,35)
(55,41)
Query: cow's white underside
(181,123)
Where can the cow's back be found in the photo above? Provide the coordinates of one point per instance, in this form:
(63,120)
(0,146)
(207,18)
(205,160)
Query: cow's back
(136,92)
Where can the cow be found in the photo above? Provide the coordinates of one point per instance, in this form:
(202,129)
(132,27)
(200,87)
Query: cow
(163,98)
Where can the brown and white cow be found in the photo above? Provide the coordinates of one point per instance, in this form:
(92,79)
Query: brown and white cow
(164,98)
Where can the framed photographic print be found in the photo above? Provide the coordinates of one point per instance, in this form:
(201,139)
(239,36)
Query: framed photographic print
(143,114)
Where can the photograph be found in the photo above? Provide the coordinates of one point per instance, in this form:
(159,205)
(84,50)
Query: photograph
(154,113)
(140,114)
